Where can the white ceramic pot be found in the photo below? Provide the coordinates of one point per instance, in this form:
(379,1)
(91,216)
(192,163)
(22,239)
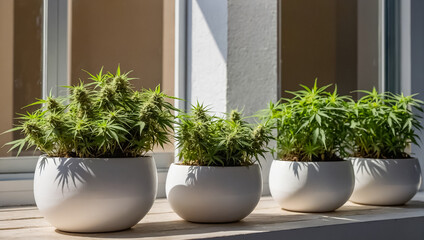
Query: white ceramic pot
(311,186)
(213,194)
(94,194)
(385,181)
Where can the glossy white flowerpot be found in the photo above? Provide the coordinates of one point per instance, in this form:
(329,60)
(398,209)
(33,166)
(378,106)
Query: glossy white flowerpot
(385,181)
(311,186)
(94,194)
(213,194)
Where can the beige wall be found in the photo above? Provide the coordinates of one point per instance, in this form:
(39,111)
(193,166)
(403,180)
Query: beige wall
(27,55)
(6,68)
(168,46)
(318,41)
(168,55)
(136,34)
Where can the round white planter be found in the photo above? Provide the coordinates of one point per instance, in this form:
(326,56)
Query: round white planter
(385,181)
(311,186)
(213,194)
(94,194)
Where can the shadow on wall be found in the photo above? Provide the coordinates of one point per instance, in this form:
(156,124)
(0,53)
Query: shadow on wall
(211,11)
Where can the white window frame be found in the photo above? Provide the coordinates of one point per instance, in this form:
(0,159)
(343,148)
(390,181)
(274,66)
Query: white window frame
(381,40)
(55,47)
(55,71)
(180,58)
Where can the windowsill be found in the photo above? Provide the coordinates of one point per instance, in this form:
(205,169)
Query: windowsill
(18,164)
(17,175)
(267,221)
(27,164)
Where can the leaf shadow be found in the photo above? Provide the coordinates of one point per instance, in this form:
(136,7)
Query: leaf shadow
(298,166)
(42,163)
(72,171)
(376,168)
(192,175)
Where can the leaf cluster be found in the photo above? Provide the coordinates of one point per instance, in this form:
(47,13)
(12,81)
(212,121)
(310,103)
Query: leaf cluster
(105,118)
(207,140)
(312,125)
(383,124)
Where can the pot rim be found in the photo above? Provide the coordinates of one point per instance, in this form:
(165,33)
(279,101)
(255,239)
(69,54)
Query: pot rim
(103,158)
(310,162)
(381,159)
(214,167)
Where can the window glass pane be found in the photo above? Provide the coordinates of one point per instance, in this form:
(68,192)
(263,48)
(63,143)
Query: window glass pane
(137,34)
(335,41)
(20,63)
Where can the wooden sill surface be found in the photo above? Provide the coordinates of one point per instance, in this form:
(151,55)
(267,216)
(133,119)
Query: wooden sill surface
(162,223)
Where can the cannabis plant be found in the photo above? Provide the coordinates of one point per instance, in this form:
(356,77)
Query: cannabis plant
(312,125)
(207,140)
(383,125)
(104,118)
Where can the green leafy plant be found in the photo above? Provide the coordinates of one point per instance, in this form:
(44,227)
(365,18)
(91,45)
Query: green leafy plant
(207,140)
(104,118)
(312,125)
(383,125)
